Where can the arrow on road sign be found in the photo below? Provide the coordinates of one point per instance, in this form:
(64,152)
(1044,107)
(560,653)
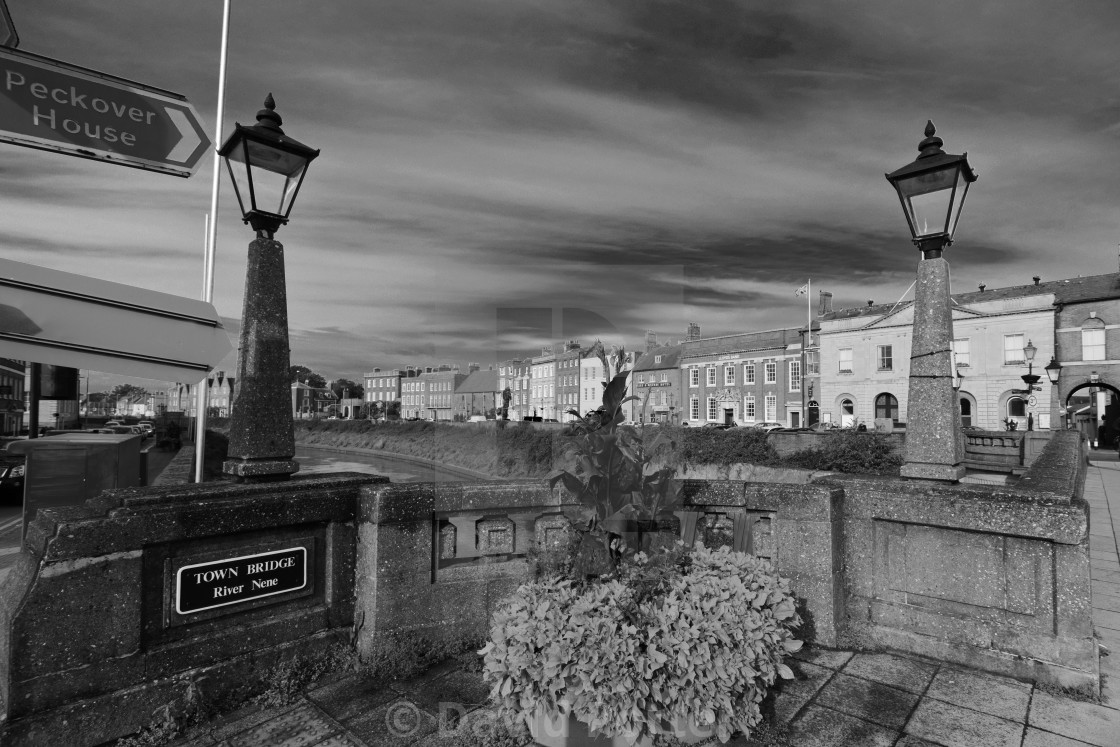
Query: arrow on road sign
(8,35)
(48,316)
(56,106)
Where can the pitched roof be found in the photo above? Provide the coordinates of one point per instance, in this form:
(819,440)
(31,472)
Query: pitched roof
(1070,290)
(479,381)
(670,357)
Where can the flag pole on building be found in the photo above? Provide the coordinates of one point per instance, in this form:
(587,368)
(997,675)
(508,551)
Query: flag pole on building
(211,236)
(807,291)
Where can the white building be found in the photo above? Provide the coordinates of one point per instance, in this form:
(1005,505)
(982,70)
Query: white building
(865,359)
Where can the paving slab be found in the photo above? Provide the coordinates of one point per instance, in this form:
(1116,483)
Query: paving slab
(823,727)
(1095,724)
(897,671)
(870,701)
(394,724)
(909,740)
(996,696)
(954,726)
(795,693)
(1037,738)
(300,726)
(454,691)
(823,657)
(351,695)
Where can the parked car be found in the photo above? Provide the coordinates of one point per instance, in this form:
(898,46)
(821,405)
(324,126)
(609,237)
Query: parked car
(477,419)
(147,425)
(721,426)
(113,423)
(11,477)
(769,425)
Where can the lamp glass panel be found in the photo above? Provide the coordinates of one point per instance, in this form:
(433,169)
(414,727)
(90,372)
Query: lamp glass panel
(275,176)
(929,198)
(239,174)
(958,202)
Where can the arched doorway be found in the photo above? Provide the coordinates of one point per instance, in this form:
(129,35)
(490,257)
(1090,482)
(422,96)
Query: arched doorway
(847,413)
(1094,409)
(968,410)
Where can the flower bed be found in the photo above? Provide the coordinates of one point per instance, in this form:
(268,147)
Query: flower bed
(695,636)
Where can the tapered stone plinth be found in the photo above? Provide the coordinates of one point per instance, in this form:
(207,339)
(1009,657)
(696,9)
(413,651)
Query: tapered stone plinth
(261,437)
(933,446)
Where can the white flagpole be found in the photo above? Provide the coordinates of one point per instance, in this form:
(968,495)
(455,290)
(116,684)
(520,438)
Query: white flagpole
(211,237)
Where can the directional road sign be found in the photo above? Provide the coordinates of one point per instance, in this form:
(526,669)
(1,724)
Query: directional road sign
(56,317)
(56,106)
(8,35)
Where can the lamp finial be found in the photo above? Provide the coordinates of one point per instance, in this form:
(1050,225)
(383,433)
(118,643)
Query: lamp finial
(931,146)
(267,117)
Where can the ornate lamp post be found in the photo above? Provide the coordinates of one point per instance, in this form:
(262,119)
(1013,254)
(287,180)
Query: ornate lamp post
(932,191)
(267,168)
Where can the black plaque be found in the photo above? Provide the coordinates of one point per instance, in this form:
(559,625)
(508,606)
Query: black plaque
(204,586)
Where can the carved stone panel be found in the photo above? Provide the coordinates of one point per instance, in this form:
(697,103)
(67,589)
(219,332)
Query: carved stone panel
(552,532)
(494,535)
(447,537)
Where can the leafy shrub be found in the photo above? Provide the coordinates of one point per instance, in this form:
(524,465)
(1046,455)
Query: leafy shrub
(850,451)
(705,645)
(727,446)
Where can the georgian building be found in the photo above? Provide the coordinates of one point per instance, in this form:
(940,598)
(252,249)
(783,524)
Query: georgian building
(865,355)
(542,385)
(514,375)
(568,381)
(383,386)
(743,378)
(437,392)
(12,374)
(656,381)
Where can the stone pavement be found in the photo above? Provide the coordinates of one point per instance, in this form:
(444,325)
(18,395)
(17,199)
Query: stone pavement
(839,699)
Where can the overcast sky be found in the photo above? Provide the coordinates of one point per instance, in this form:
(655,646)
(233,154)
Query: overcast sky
(642,163)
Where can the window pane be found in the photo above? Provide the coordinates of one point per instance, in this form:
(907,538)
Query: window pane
(845,357)
(1013,349)
(1092,345)
(886,358)
(961,352)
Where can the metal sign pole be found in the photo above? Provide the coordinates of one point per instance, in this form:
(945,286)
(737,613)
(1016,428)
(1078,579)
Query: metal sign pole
(211,237)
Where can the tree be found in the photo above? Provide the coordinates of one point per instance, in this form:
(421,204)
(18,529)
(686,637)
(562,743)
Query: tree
(376,410)
(346,388)
(305,375)
(393,410)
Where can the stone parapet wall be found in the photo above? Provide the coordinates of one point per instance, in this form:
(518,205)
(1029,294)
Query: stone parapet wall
(91,640)
(436,558)
(796,527)
(996,579)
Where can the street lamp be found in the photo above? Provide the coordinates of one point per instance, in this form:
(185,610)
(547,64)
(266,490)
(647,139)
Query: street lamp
(1030,378)
(267,168)
(932,190)
(1053,370)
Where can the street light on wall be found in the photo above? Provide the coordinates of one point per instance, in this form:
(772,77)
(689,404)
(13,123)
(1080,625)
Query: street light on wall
(267,168)
(932,190)
(1030,378)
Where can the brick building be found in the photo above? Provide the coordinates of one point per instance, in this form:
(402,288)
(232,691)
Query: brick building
(743,378)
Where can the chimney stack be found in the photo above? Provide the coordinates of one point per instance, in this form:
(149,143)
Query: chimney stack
(693,331)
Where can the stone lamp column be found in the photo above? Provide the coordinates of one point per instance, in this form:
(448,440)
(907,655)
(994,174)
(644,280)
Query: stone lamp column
(267,167)
(262,437)
(932,190)
(933,442)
